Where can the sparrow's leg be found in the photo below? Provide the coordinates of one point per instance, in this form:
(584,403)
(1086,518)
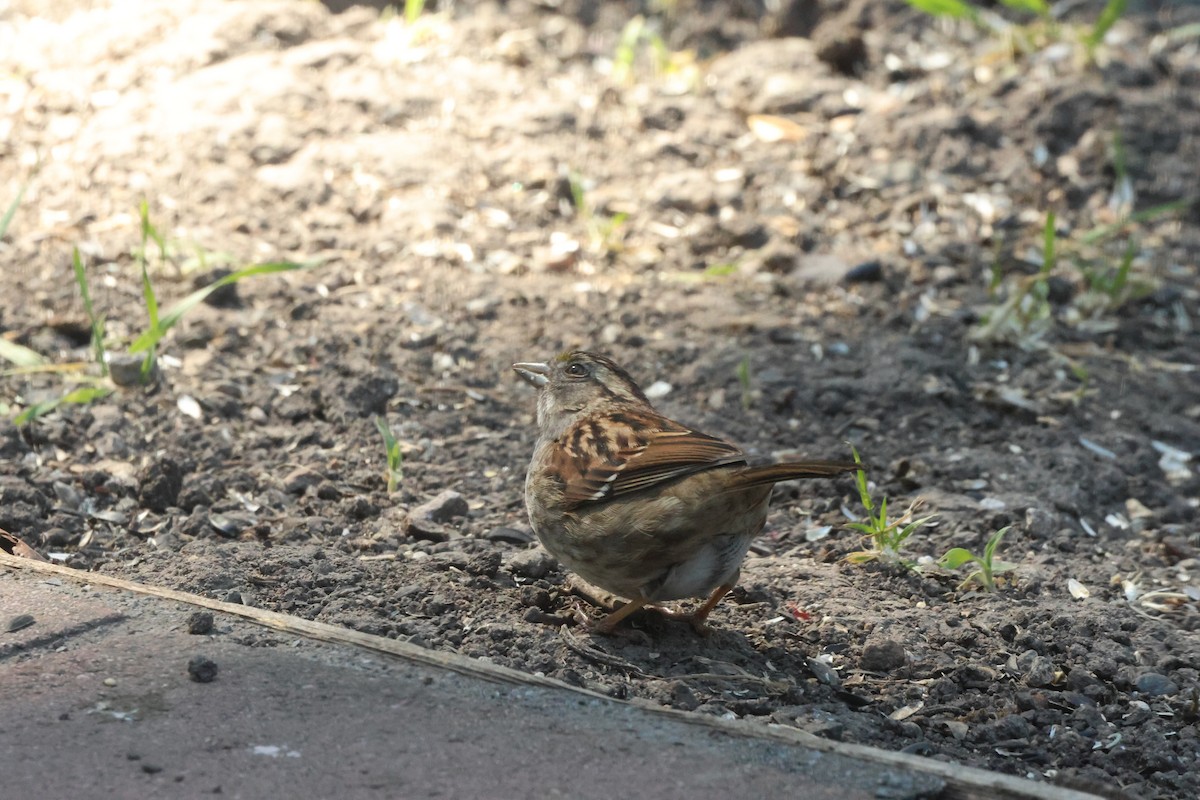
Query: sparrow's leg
(610,622)
(700,615)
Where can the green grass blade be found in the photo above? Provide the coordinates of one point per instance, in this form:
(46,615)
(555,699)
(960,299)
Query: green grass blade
(955,558)
(720,270)
(149,296)
(97,323)
(149,232)
(11,211)
(84,394)
(860,481)
(1113,10)
(989,550)
(944,8)
(36,410)
(1121,279)
(152,336)
(392,450)
(1104,231)
(626,51)
(1038,7)
(20,355)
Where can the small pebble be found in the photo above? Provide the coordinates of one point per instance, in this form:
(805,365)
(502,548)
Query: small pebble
(20,621)
(442,508)
(1153,684)
(202,669)
(510,535)
(865,272)
(532,564)
(200,623)
(1041,672)
(883,656)
(299,479)
(825,673)
(658,390)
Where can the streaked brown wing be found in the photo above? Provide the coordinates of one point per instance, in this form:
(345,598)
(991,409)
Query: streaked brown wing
(625,454)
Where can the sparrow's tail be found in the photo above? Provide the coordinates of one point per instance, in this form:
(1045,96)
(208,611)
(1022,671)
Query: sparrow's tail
(793,470)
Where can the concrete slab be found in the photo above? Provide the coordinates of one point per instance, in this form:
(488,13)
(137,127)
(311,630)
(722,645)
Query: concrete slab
(97,701)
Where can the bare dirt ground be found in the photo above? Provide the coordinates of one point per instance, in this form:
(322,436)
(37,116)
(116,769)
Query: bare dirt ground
(809,238)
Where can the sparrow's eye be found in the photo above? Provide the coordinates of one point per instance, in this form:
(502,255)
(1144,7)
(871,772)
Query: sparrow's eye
(577,370)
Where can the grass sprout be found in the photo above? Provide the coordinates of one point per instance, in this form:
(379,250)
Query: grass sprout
(1113,11)
(80,396)
(12,352)
(1107,263)
(20,356)
(159,324)
(986,565)
(391,448)
(413,9)
(605,232)
(641,42)
(94,320)
(887,535)
(11,211)
(955,9)
(1040,28)
(159,327)
(1025,317)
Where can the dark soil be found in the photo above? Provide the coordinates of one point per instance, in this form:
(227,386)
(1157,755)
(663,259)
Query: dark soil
(813,226)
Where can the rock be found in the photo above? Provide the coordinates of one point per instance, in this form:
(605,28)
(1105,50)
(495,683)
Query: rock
(818,269)
(159,484)
(1040,672)
(683,697)
(20,622)
(1153,684)
(369,396)
(846,53)
(166,540)
(200,490)
(825,673)
(485,564)
(426,529)
(202,669)
(883,656)
(533,564)
(442,508)
(1011,727)
(127,370)
(300,479)
(510,535)
(866,272)
(200,623)
(1040,523)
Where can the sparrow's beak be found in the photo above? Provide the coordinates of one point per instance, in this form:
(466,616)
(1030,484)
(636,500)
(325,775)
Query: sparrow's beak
(537,374)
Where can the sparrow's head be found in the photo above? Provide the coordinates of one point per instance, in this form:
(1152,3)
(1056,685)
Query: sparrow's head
(578,382)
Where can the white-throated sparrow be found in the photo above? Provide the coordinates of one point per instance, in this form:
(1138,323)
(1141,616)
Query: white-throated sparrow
(638,504)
